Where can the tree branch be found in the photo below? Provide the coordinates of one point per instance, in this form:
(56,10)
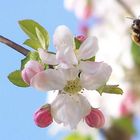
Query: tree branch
(126,8)
(14,45)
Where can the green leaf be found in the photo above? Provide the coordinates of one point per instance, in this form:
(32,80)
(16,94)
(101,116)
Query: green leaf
(112,89)
(34,56)
(135,50)
(36,33)
(41,38)
(126,124)
(32,43)
(16,79)
(31,56)
(77,136)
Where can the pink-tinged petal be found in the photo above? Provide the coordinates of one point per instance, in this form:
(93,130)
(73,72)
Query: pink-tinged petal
(34,65)
(90,67)
(88,48)
(63,37)
(69,110)
(30,70)
(64,43)
(95,118)
(49,80)
(71,74)
(47,58)
(43,117)
(66,57)
(98,78)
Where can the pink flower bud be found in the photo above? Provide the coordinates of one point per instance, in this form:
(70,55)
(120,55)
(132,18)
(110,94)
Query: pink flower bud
(31,69)
(95,118)
(43,116)
(81,38)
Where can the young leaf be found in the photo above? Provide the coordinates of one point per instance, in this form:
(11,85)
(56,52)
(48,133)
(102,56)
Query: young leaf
(41,38)
(16,79)
(30,27)
(112,89)
(32,43)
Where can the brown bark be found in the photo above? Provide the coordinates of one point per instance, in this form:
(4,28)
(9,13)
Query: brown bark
(14,45)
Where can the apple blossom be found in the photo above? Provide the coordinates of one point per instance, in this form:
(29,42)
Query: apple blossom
(70,83)
(67,54)
(31,69)
(72,75)
(43,117)
(95,118)
(70,71)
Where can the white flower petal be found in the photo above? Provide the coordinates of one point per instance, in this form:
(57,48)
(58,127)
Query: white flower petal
(88,48)
(89,67)
(64,43)
(47,58)
(49,80)
(69,110)
(63,37)
(95,80)
(66,57)
(71,74)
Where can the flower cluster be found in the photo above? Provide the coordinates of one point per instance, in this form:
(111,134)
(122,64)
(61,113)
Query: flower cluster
(71,70)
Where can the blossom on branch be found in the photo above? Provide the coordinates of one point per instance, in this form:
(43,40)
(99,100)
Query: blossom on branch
(72,74)
(70,71)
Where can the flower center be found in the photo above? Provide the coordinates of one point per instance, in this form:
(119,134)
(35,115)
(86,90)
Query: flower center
(73,86)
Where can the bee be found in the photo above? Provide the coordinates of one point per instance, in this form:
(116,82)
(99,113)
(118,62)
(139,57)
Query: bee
(136,31)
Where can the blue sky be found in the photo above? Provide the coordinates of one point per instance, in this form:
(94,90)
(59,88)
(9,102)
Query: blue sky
(17,105)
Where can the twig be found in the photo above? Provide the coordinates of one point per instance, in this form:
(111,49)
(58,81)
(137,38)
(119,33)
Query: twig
(126,8)
(14,45)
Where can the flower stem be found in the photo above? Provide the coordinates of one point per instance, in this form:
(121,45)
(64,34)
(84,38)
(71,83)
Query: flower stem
(126,8)
(14,45)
